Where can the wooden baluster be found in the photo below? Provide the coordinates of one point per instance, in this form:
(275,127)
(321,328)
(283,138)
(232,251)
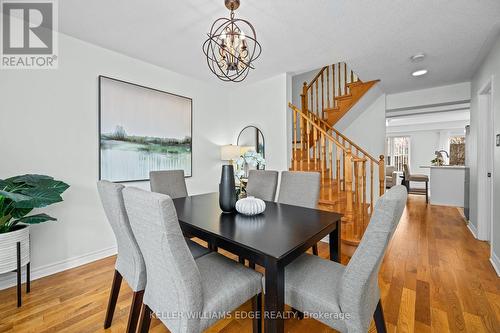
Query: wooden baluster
(372,167)
(330,161)
(328,86)
(308,144)
(312,99)
(363,177)
(337,167)
(325,162)
(357,190)
(322,95)
(348,183)
(334,103)
(317,98)
(339,79)
(345,78)
(315,143)
(303,98)
(381,175)
(294,136)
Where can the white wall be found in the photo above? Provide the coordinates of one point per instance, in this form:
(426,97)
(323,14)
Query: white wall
(49,126)
(438,95)
(488,69)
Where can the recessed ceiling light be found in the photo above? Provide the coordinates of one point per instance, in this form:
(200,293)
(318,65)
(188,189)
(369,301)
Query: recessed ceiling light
(418,57)
(420,72)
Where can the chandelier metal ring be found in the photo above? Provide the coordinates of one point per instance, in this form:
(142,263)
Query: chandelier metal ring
(231,47)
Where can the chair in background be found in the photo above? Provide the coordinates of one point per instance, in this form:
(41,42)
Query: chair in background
(169,182)
(391,176)
(173,184)
(408,177)
(262,184)
(300,189)
(353,289)
(177,283)
(129,262)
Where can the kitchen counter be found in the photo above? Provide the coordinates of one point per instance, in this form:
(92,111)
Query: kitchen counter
(447,185)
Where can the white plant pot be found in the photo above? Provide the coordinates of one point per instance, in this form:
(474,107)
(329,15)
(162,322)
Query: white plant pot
(8,248)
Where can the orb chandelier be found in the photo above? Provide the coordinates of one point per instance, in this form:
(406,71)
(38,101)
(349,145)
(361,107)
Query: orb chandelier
(231,46)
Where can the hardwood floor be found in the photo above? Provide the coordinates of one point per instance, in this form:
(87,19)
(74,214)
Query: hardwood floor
(435,278)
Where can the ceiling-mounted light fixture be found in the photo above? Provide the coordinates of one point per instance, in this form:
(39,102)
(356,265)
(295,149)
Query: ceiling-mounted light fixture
(418,57)
(419,72)
(231,46)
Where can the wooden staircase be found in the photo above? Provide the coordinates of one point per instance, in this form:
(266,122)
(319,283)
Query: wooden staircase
(349,174)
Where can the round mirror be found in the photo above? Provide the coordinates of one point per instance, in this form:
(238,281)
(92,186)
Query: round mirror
(252,139)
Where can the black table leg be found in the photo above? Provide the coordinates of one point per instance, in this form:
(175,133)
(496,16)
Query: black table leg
(334,242)
(274,297)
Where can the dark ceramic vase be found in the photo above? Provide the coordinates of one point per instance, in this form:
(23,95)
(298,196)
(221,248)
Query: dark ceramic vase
(227,190)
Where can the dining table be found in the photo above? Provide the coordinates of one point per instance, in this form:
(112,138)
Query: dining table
(272,239)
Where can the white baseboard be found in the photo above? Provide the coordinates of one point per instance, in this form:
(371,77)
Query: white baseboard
(495,262)
(472,229)
(9,279)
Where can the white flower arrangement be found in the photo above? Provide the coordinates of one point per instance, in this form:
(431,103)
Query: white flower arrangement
(250,158)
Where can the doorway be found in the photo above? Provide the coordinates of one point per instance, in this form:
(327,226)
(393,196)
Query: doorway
(486,161)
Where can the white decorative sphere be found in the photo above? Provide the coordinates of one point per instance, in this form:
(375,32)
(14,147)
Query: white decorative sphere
(250,206)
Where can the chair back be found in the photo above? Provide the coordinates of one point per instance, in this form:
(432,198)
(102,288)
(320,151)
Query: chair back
(129,261)
(359,290)
(169,182)
(262,184)
(299,188)
(174,282)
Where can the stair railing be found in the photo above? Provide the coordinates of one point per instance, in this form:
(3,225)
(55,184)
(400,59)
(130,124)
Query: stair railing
(333,156)
(330,83)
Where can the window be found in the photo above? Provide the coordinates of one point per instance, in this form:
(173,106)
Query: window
(398,151)
(457,150)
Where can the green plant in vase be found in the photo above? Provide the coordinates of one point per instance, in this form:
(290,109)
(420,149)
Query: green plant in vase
(19,195)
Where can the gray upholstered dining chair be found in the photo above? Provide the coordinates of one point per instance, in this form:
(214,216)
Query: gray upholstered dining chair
(262,184)
(169,182)
(349,293)
(129,262)
(300,188)
(184,292)
(173,184)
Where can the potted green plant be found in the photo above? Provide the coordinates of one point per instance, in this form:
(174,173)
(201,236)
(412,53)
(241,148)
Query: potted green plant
(19,195)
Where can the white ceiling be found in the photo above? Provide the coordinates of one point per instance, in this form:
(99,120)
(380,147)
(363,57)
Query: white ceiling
(375,37)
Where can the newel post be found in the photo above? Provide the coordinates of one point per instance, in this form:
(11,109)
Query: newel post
(304,98)
(381,175)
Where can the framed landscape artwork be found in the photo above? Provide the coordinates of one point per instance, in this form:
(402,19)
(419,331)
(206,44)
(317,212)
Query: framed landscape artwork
(142,129)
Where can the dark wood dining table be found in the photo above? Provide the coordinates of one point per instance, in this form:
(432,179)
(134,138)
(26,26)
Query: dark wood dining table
(272,240)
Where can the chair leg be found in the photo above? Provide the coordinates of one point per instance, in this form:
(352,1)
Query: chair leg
(315,249)
(251,264)
(257,311)
(145,319)
(135,311)
(378,316)
(241,260)
(426,192)
(113,296)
